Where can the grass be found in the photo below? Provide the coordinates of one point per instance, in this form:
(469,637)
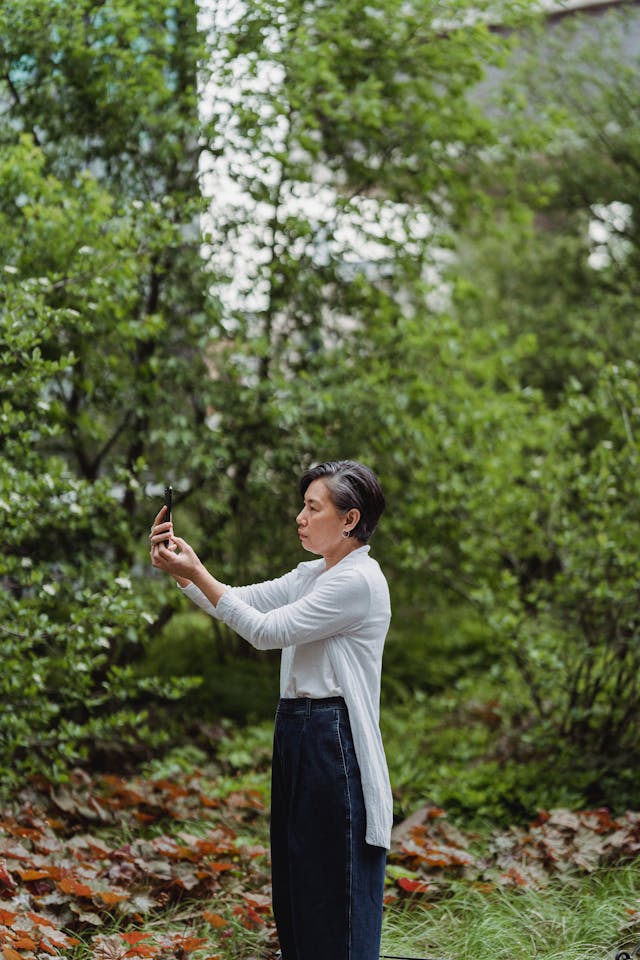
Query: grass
(584,919)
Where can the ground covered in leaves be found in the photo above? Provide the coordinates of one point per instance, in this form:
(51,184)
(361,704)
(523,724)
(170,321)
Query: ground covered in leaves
(116,868)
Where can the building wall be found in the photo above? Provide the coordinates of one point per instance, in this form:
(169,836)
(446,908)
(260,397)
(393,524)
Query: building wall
(586,20)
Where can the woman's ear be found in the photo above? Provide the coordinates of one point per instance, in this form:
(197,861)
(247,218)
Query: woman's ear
(353,518)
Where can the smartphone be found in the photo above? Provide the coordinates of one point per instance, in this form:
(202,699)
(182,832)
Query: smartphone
(168,502)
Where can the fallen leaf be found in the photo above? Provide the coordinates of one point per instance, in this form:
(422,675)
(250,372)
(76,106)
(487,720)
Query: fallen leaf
(28,875)
(414,886)
(77,889)
(24,943)
(135,936)
(10,954)
(258,900)
(110,897)
(6,880)
(214,919)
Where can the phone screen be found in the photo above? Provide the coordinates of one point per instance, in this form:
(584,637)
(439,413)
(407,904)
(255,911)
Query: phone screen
(168,502)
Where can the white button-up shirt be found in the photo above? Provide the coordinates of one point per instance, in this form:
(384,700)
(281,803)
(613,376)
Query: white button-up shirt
(331,626)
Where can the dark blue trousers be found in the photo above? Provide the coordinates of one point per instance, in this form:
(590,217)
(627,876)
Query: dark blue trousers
(327,882)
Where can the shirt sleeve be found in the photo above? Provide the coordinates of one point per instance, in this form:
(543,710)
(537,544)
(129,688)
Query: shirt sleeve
(333,607)
(263,596)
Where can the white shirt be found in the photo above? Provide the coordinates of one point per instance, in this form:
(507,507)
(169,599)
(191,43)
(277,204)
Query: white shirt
(331,626)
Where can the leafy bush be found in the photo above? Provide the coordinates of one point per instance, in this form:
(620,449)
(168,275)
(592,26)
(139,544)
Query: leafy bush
(452,751)
(243,688)
(73,613)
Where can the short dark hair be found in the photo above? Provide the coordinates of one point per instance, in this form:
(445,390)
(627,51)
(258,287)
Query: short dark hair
(351,485)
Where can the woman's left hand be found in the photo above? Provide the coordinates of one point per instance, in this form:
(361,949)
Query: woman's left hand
(170,553)
(175,556)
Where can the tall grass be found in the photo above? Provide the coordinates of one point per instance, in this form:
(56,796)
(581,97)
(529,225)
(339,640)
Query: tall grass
(586,919)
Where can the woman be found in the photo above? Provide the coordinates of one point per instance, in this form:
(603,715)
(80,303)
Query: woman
(331,807)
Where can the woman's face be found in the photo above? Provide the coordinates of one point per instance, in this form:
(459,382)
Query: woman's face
(320,526)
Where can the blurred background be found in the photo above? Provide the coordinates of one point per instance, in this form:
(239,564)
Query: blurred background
(241,238)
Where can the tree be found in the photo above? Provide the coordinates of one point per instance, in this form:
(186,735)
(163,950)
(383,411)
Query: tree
(104,326)
(351,151)
(342,148)
(561,270)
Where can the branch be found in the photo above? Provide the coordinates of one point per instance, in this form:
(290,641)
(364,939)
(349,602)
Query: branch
(14,633)
(18,102)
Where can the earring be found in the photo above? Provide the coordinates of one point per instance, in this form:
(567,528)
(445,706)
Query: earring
(346,533)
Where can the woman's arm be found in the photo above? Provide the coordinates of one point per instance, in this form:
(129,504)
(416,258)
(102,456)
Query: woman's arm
(179,560)
(334,606)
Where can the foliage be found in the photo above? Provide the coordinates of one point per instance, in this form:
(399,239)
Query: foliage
(556,844)
(389,271)
(560,270)
(330,198)
(66,620)
(561,262)
(467,763)
(579,920)
(107,885)
(136,370)
(97,261)
(111,867)
(230,687)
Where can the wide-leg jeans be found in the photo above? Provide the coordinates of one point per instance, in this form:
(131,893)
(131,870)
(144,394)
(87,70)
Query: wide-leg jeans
(327,881)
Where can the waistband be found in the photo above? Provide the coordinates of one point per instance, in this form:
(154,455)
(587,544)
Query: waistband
(305,706)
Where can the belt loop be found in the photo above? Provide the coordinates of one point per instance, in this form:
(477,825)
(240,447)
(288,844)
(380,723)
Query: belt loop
(308,704)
